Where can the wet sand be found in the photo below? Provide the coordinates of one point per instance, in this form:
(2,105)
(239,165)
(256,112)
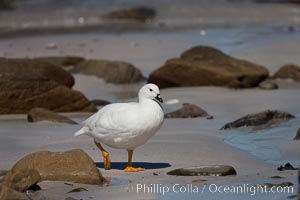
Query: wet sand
(180,142)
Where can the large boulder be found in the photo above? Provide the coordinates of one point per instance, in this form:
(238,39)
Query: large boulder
(267,117)
(7,193)
(140,14)
(19,94)
(207,66)
(32,67)
(42,114)
(187,111)
(111,71)
(289,71)
(74,166)
(21,180)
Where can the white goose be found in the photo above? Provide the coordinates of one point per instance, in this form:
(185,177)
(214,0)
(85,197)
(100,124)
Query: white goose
(126,125)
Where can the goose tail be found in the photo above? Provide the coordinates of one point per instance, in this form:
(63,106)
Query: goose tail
(83,131)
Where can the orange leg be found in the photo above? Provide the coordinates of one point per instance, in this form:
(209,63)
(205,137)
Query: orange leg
(105,154)
(129,167)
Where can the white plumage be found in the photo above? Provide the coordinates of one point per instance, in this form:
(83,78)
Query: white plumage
(126,125)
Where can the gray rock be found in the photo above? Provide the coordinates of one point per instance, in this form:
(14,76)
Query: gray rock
(268,117)
(276,177)
(268,85)
(209,170)
(187,111)
(42,114)
(111,71)
(297,137)
(287,166)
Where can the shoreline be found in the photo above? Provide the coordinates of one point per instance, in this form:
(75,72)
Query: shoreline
(180,142)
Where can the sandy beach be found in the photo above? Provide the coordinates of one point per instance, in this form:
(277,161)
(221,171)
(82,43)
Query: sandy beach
(180,142)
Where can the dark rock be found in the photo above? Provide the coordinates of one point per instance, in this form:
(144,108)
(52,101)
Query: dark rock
(268,85)
(297,137)
(268,117)
(63,61)
(294,1)
(7,193)
(100,102)
(287,166)
(289,71)
(209,170)
(74,166)
(276,177)
(19,94)
(78,190)
(6,4)
(70,184)
(207,66)
(29,67)
(210,117)
(141,14)
(284,184)
(3,172)
(187,111)
(111,71)
(34,188)
(292,197)
(70,198)
(42,114)
(21,180)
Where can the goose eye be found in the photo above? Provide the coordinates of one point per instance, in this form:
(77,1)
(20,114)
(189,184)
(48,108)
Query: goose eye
(150,90)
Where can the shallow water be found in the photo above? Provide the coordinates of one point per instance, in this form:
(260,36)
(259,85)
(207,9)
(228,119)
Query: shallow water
(48,16)
(266,144)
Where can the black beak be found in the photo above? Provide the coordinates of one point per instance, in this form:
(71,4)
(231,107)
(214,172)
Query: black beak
(159,98)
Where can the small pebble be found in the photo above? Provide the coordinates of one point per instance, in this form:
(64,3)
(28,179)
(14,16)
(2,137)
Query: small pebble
(51,45)
(77,190)
(210,117)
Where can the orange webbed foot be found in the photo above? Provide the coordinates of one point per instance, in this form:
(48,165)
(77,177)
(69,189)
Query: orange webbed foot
(133,169)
